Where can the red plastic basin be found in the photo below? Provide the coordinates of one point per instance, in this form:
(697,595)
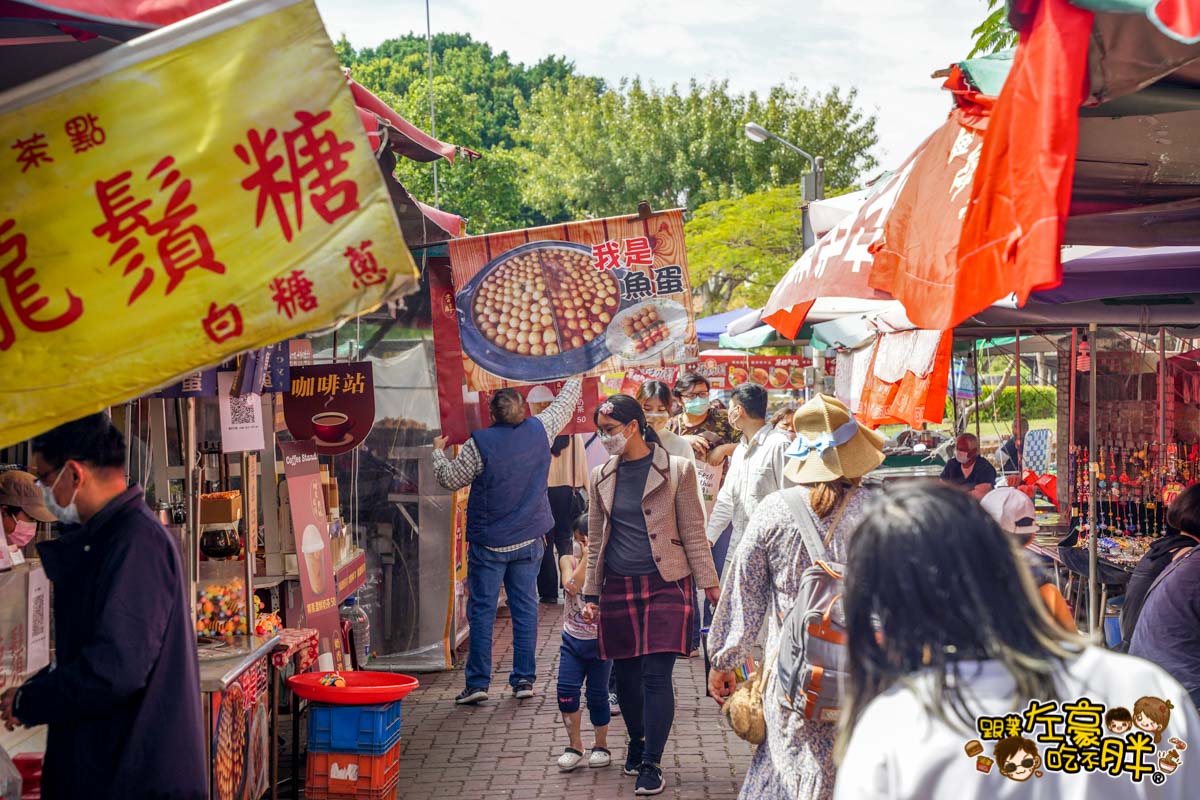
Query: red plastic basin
(362,688)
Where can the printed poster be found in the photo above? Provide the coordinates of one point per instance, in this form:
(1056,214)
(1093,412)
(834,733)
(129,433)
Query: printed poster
(241,417)
(310,525)
(240,210)
(37,652)
(582,298)
(539,396)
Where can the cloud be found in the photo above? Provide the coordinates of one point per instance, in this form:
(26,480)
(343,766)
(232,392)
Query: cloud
(884,48)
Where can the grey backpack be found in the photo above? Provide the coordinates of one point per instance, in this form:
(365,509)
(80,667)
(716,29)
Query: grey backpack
(811,664)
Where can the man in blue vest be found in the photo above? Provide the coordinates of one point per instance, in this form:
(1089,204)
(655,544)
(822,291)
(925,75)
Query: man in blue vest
(508,515)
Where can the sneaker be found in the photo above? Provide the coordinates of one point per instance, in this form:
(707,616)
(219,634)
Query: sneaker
(650,780)
(600,758)
(633,757)
(613,705)
(569,760)
(523,691)
(469,696)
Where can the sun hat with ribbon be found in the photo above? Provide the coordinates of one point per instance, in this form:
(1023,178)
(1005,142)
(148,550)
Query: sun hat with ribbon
(830,444)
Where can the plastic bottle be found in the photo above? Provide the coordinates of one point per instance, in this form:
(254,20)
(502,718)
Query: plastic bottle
(361,625)
(10,778)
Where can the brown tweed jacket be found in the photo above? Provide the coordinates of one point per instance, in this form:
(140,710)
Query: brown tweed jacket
(675,522)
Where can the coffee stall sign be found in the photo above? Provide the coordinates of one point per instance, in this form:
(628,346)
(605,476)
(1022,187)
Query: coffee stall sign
(331,405)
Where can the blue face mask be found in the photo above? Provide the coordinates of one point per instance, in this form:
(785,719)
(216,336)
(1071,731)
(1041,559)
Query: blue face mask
(696,406)
(67,514)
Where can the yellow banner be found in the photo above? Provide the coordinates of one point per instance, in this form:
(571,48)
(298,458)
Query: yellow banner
(201,191)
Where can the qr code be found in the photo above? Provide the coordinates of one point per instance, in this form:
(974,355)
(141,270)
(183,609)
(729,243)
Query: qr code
(39,615)
(241,409)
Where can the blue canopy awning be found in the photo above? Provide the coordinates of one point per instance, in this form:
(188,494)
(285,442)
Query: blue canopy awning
(709,329)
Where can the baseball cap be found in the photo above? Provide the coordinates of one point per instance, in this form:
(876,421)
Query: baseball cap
(19,490)
(1012,509)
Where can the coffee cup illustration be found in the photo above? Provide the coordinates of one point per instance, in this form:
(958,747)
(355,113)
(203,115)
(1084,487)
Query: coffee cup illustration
(331,426)
(313,547)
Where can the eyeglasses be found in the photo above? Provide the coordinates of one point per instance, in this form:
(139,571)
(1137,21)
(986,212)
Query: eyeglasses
(43,479)
(694,395)
(1009,766)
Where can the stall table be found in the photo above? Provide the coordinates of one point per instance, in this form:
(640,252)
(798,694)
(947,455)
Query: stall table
(239,738)
(298,645)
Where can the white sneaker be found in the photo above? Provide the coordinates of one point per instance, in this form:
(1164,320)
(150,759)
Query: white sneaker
(569,760)
(599,758)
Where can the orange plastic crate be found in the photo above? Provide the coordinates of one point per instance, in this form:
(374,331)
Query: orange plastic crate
(352,776)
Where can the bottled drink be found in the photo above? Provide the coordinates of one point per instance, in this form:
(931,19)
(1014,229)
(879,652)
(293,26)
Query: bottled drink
(361,625)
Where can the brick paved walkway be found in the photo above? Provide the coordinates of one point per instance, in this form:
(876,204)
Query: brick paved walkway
(507,748)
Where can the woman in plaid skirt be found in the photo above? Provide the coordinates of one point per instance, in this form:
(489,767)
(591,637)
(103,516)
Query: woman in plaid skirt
(649,551)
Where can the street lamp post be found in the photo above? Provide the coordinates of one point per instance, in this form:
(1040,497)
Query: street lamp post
(813,182)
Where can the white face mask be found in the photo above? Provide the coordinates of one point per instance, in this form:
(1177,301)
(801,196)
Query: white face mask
(658,419)
(67,514)
(963,456)
(614,444)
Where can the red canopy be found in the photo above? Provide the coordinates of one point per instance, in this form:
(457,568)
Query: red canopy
(37,38)
(902,242)
(1013,230)
(403,138)
(150,13)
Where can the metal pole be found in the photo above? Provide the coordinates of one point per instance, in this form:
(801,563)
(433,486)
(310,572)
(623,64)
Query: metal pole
(432,116)
(1017,420)
(1093,467)
(1072,495)
(978,394)
(1162,402)
(194,485)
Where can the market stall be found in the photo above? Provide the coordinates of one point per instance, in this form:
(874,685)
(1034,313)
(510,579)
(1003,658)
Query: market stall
(255,499)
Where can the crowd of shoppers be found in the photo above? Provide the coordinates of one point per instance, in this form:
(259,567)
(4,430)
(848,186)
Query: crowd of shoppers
(947,612)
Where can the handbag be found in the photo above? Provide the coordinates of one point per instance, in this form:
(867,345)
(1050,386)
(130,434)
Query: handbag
(744,708)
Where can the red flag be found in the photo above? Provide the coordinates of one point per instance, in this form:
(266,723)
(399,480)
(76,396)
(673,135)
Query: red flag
(1022,192)
(916,259)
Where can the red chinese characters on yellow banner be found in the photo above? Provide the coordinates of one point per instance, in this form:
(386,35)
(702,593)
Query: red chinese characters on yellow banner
(141,240)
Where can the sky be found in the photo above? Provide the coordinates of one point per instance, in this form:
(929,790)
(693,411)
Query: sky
(887,49)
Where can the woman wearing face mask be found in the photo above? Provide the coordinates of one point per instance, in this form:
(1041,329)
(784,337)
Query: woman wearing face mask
(21,508)
(655,399)
(705,428)
(646,525)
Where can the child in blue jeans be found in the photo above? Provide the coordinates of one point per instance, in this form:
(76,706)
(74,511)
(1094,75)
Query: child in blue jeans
(579,658)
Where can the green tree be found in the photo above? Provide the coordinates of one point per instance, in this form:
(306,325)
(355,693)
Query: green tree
(739,249)
(475,95)
(559,146)
(590,151)
(994,33)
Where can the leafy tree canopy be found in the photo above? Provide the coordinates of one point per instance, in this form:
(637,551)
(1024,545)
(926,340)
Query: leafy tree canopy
(559,145)
(739,249)
(994,33)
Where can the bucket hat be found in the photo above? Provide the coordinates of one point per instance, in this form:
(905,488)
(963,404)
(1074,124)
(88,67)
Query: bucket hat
(830,444)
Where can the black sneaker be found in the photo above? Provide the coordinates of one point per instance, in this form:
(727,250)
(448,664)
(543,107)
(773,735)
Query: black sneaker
(633,757)
(614,706)
(523,691)
(469,696)
(650,780)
